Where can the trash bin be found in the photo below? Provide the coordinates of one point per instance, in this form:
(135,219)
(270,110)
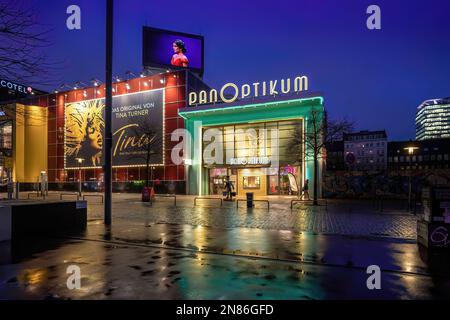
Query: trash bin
(249,199)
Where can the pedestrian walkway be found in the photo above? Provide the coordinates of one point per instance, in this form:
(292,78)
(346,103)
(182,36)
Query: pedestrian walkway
(339,217)
(352,218)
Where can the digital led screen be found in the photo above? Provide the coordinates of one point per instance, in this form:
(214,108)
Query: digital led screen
(170,49)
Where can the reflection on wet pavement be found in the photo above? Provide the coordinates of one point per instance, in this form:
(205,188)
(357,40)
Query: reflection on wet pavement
(136,272)
(167,261)
(355,219)
(392,254)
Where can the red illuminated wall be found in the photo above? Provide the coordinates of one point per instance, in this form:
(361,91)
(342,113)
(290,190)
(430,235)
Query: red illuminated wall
(175,98)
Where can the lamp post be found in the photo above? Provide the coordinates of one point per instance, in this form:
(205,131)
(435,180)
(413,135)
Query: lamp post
(80,161)
(107,147)
(410,153)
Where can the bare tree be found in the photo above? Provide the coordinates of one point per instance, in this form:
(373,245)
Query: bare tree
(319,131)
(22,40)
(150,146)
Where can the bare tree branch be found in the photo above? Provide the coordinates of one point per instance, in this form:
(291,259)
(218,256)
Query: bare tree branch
(319,131)
(22,42)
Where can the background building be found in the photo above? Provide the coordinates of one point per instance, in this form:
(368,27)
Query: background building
(366,150)
(433,119)
(335,160)
(10,90)
(59,137)
(433,154)
(51,132)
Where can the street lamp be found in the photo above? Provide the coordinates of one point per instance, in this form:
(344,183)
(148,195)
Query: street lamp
(80,161)
(410,150)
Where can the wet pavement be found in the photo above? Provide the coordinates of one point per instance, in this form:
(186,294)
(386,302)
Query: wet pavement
(147,255)
(357,218)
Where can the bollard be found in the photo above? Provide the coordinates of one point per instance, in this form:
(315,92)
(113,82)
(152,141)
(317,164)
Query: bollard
(249,196)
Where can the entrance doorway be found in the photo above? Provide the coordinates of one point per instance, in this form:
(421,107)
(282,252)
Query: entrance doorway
(217,179)
(261,181)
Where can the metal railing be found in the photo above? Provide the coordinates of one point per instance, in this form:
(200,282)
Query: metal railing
(207,198)
(69,194)
(93,195)
(166,196)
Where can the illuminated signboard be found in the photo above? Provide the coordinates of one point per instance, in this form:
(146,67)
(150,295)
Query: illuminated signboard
(137,126)
(173,50)
(15,87)
(230,92)
(250,160)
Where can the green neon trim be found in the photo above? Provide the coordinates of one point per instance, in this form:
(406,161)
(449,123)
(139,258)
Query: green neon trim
(250,106)
(182,115)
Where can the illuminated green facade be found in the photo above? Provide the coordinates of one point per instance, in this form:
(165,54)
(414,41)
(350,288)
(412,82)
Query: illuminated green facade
(199,117)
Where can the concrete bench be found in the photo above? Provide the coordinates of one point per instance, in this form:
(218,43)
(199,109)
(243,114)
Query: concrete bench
(29,218)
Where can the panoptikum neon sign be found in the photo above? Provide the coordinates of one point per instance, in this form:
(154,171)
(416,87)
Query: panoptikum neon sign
(230,92)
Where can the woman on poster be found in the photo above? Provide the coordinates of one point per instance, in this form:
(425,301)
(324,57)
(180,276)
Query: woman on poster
(179,58)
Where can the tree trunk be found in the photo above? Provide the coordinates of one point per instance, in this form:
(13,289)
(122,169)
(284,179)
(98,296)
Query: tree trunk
(316,184)
(147,171)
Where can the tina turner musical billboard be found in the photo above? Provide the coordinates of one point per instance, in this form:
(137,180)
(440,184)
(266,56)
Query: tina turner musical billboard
(137,127)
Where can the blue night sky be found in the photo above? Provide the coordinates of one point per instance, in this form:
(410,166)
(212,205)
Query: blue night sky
(374,78)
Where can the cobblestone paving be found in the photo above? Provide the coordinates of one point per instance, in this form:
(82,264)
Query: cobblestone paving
(336,220)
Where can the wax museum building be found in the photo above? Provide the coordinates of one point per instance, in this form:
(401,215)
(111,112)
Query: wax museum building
(243,133)
(60,134)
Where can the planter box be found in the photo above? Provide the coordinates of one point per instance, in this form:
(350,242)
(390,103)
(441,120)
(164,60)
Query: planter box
(29,218)
(433,235)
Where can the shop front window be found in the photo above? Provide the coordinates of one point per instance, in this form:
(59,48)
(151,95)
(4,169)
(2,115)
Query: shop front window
(252,182)
(279,182)
(217,178)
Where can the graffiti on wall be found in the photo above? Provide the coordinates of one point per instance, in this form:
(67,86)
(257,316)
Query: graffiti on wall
(351,185)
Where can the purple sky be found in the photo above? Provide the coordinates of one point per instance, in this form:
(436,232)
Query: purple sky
(375,78)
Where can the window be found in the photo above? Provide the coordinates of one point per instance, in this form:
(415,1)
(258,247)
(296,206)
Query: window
(251,182)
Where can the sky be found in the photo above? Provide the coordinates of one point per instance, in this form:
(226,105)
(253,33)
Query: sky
(375,78)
